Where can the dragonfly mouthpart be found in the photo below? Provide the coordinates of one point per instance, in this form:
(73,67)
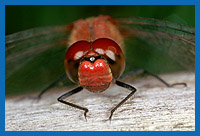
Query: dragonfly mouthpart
(95,76)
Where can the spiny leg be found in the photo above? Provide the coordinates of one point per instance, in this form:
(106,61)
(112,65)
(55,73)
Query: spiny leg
(131,88)
(143,71)
(74,91)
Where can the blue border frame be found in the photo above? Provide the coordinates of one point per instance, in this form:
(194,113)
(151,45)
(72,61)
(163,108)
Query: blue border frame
(2,67)
(96,2)
(100,2)
(197,64)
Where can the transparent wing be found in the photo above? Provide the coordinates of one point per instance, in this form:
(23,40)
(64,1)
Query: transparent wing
(34,58)
(175,40)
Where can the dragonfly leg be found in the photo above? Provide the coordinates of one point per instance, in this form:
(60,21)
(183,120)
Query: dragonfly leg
(124,85)
(74,91)
(143,71)
(51,85)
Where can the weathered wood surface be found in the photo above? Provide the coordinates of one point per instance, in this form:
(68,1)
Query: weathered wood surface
(154,107)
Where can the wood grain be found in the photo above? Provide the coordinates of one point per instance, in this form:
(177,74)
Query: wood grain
(154,107)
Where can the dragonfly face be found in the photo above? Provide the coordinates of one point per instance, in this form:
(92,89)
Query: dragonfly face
(94,64)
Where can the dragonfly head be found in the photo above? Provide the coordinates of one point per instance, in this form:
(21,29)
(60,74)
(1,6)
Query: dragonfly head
(94,64)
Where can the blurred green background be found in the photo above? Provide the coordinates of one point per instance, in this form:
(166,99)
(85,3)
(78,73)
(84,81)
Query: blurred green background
(23,17)
(20,18)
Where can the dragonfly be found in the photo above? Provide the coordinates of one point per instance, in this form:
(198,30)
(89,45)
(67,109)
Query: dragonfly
(93,54)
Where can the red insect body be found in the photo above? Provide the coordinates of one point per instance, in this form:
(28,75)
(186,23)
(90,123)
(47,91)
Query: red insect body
(94,59)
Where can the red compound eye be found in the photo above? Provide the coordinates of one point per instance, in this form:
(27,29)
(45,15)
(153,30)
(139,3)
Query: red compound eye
(106,44)
(77,50)
(111,51)
(73,57)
